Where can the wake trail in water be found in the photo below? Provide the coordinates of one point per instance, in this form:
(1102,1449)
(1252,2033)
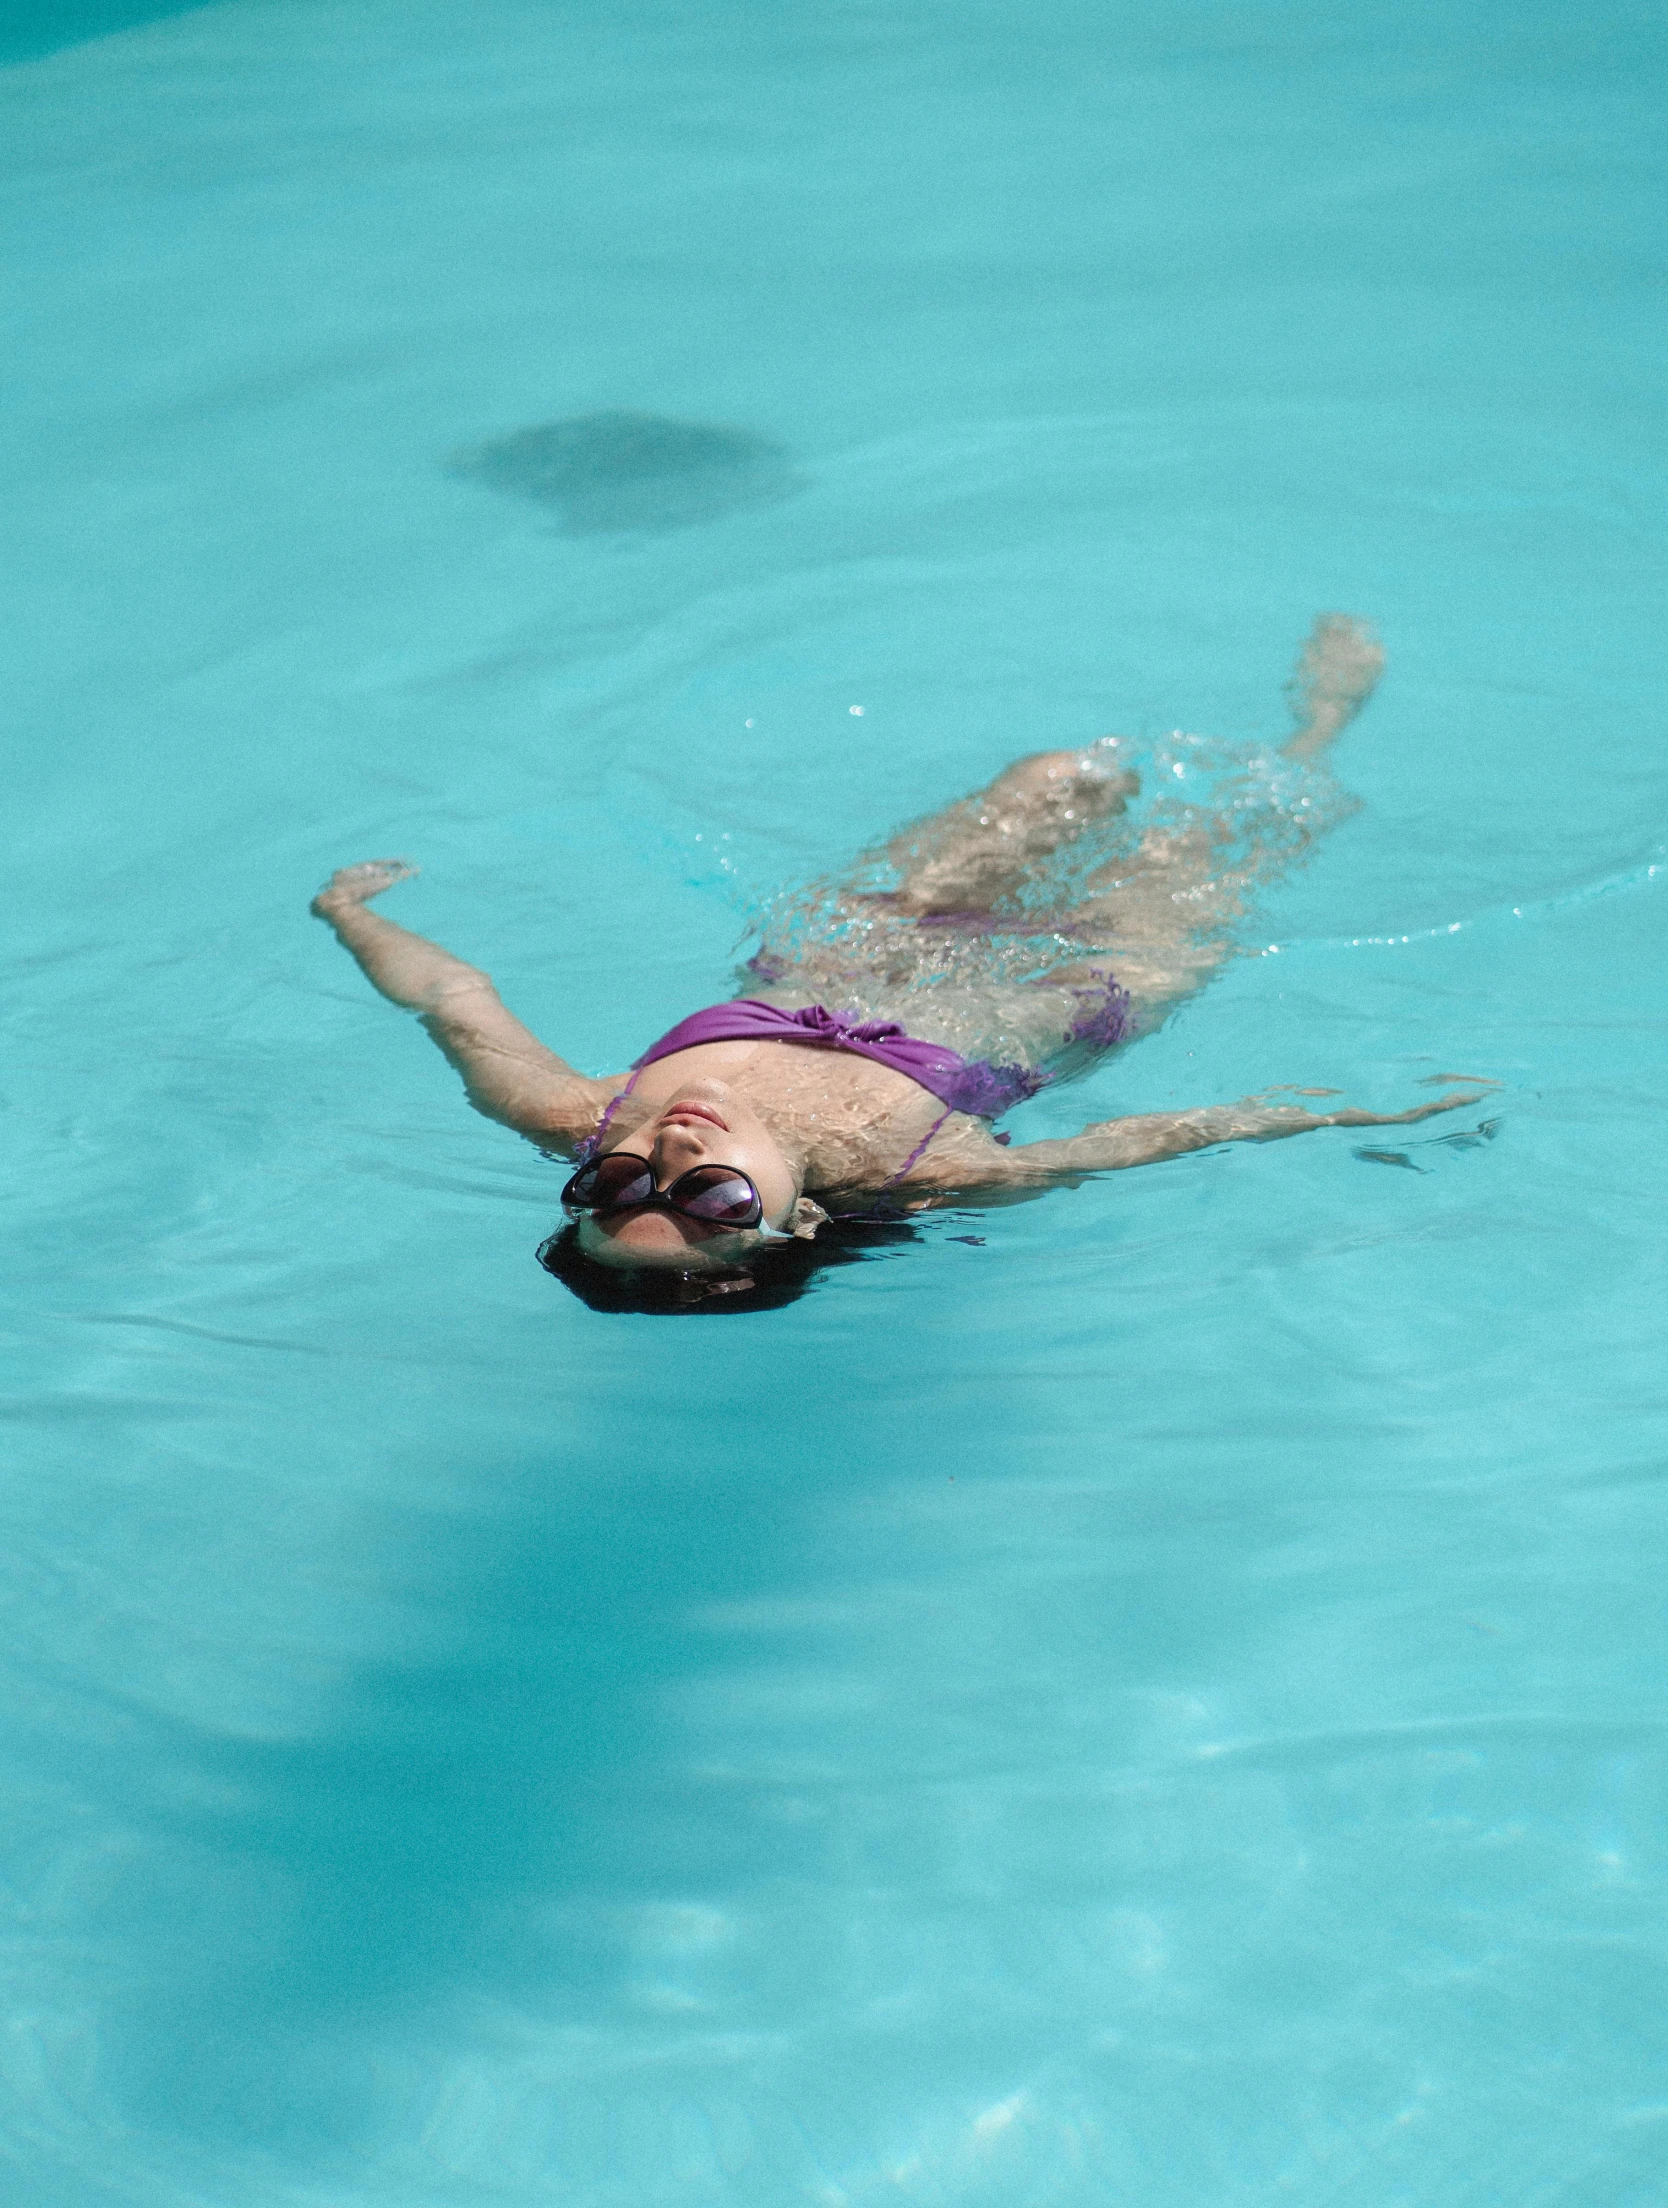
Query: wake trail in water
(1647,874)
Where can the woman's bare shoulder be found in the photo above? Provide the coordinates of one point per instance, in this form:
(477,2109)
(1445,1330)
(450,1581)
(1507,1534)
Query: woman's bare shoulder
(569,1112)
(962,1154)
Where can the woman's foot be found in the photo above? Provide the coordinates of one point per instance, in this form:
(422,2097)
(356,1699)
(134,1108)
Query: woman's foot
(1335,675)
(357,885)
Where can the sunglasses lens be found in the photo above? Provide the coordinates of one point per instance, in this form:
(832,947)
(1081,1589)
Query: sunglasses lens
(719,1196)
(611,1181)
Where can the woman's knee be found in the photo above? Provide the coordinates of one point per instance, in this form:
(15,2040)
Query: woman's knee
(1051,779)
(1041,772)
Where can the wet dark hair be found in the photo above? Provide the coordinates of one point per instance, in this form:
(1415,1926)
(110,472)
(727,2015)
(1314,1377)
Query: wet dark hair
(773,1274)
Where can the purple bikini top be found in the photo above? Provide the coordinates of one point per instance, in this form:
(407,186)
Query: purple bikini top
(960,1086)
(978,1087)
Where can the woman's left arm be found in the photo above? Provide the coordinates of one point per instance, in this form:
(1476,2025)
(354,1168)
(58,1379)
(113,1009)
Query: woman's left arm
(1152,1136)
(1029,1169)
(508,1073)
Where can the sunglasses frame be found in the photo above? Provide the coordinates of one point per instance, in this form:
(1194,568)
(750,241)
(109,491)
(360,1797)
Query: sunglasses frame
(661,1199)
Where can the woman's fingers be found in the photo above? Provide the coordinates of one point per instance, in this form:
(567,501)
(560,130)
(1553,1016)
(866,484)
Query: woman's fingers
(1451,1103)
(1354,1117)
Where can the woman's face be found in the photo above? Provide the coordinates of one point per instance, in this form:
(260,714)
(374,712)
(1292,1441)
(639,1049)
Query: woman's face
(705,1123)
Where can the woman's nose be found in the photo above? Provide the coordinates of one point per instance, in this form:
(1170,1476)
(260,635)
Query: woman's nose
(675,1150)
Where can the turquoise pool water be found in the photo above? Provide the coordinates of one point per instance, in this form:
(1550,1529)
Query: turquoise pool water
(1163,1707)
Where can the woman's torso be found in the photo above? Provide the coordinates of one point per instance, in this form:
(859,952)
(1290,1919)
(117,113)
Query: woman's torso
(855,1122)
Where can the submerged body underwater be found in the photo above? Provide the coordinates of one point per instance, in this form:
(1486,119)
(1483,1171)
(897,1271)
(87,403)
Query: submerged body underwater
(996,920)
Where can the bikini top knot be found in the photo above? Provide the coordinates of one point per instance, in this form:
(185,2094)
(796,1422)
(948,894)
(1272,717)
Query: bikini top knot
(830,1026)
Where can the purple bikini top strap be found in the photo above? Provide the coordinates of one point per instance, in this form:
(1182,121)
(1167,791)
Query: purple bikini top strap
(914,1157)
(592,1143)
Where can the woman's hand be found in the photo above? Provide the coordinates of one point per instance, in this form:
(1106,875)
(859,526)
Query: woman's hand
(1453,1102)
(357,885)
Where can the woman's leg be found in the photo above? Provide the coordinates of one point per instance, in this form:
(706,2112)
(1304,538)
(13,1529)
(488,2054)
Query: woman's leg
(968,857)
(921,951)
(1163,914)
(1157,919)
(922,947)
(1336,673)
(973,854)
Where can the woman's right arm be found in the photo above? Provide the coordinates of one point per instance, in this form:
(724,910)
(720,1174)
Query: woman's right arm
(508,1073)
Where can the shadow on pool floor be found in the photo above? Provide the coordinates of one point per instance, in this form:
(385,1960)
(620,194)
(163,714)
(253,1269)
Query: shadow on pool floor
(615,471)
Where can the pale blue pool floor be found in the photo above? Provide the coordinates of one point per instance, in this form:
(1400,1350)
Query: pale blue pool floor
(1161,1706)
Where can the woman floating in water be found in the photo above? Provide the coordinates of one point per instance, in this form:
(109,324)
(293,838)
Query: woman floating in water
(894,1015)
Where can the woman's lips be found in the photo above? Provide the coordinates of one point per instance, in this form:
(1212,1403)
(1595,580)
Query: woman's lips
(675,1112)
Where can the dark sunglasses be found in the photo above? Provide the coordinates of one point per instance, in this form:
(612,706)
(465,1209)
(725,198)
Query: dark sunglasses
(714,1195)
